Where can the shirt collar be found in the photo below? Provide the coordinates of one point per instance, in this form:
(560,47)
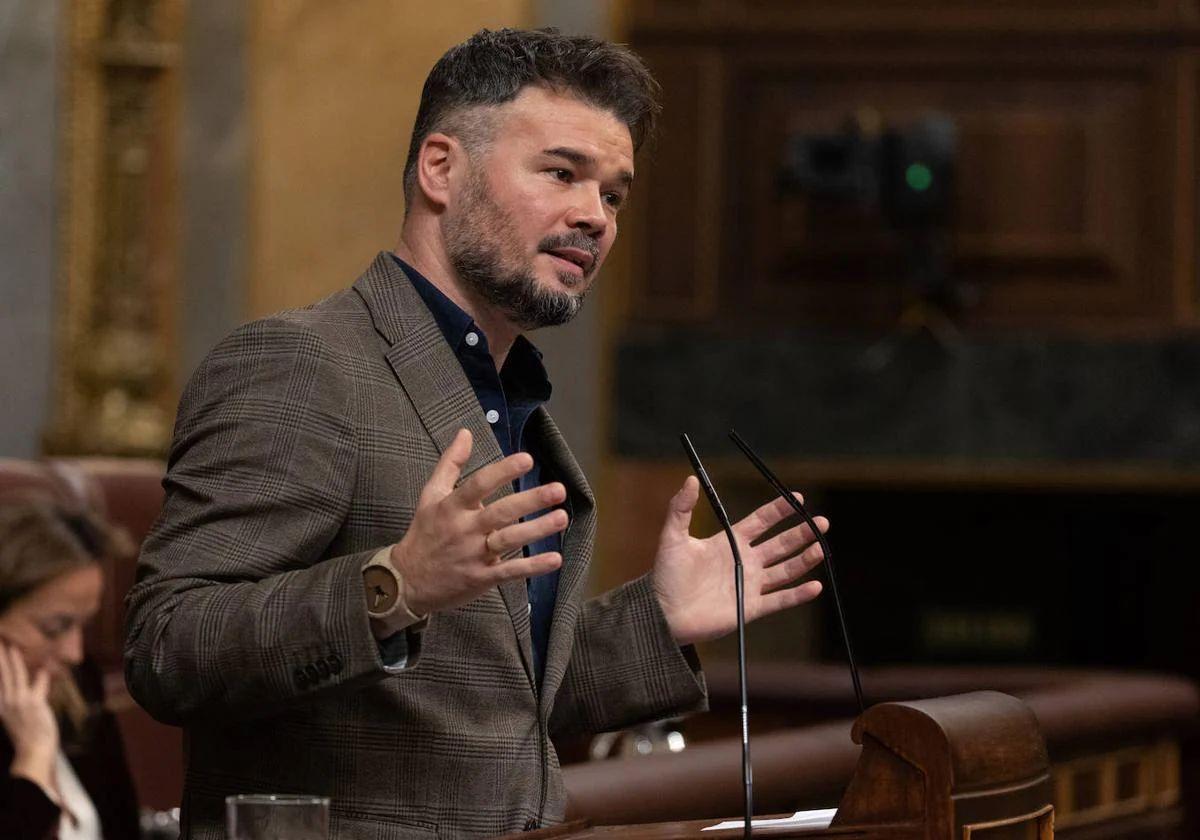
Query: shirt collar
(523,370)
(451,319)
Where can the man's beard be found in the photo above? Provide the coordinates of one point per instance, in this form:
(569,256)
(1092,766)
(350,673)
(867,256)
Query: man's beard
(481,242)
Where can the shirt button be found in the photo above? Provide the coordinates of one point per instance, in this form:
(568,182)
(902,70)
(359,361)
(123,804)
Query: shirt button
(472,339)
(493,416)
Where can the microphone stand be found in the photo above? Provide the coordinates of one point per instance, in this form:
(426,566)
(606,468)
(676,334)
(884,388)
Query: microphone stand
(790,498)
(740,588)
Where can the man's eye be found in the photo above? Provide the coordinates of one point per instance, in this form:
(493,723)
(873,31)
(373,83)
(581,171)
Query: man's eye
(614,199)
(562,174)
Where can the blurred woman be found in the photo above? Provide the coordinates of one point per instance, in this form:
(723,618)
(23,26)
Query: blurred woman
(66,775)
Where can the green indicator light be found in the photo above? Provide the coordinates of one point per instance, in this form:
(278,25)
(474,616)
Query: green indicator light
(918,177)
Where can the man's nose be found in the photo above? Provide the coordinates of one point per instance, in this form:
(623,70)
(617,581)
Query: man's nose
(588,214)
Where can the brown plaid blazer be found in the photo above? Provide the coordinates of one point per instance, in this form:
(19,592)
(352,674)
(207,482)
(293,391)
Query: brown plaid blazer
(301,445)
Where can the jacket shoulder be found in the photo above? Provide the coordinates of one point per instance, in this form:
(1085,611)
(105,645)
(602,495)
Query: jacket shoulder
(339,327)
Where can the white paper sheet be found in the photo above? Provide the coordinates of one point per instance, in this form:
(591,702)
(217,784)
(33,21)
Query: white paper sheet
(820,818)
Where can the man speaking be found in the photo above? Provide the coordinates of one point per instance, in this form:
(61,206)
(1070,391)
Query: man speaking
(367,579)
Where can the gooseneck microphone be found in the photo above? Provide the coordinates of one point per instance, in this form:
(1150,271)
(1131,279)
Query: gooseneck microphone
(790,498)
(739,585)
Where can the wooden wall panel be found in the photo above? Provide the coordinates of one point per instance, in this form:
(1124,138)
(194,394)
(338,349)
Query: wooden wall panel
(679,252)
(1077,198)
(333,91)
(1064,190)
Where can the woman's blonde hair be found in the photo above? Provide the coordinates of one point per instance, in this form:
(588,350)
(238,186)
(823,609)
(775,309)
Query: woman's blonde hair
(39,541)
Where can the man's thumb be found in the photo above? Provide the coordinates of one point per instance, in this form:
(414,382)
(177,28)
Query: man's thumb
(679,510)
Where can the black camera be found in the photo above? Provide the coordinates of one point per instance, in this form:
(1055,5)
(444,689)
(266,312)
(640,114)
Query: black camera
(906,173)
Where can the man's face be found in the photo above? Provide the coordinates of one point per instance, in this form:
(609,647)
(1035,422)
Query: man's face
(536,214)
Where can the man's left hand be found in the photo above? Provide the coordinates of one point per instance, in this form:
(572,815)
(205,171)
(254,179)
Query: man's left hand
(693,578)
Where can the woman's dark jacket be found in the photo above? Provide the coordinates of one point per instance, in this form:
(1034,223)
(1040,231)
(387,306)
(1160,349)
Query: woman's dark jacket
(98,757)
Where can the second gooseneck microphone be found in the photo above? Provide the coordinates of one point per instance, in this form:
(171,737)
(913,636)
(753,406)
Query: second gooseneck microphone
(739,584)
(790,498)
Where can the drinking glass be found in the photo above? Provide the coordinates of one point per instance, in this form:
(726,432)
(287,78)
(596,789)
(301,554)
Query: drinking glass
(270,816)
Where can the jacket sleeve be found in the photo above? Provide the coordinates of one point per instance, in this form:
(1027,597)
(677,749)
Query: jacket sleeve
(625,666)
(238,609)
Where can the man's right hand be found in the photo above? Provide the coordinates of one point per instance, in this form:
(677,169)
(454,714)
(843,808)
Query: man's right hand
(456,546)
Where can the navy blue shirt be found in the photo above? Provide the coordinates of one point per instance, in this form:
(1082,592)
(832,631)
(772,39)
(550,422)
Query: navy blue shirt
(508,398)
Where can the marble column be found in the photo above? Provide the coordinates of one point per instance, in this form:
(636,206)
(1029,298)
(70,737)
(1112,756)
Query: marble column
(29,60)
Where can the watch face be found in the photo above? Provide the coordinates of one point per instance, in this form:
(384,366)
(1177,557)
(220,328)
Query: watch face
(382,590)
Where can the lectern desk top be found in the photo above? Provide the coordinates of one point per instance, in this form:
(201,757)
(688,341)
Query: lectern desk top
(693,830)
(965,767)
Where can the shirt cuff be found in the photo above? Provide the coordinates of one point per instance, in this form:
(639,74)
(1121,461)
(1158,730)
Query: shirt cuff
(393,651)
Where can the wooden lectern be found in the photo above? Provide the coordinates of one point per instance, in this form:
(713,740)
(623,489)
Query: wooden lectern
(965,767)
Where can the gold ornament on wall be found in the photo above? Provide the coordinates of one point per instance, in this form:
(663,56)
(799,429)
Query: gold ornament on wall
(119,264)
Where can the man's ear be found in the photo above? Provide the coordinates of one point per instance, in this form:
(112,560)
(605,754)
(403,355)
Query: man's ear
(438,157)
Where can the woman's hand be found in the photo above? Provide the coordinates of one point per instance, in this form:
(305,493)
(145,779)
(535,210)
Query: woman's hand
(26,715)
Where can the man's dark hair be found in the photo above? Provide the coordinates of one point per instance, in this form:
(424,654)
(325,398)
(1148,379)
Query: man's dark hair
(492,67)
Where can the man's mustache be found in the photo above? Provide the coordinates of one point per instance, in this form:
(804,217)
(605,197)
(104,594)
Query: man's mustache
(576,239)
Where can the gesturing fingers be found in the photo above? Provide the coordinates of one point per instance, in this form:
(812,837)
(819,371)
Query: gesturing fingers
(490,478)
(450,551)
(790,570)
(524,567)
(515,506)
(514,537)
(790,541)
(755,524)
(785,598)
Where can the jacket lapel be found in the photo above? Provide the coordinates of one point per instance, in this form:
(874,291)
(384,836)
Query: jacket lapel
(435,383)
(577,552)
